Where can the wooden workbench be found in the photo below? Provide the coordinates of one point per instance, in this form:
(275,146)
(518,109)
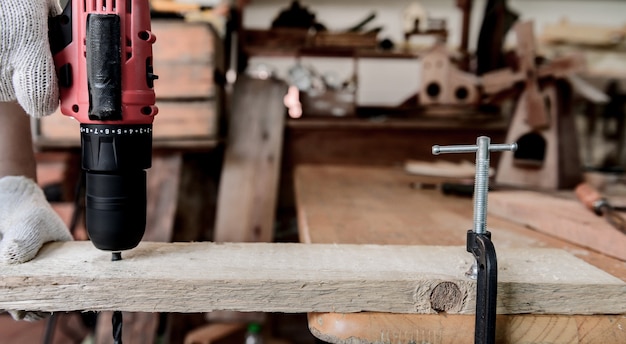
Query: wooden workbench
(378,205)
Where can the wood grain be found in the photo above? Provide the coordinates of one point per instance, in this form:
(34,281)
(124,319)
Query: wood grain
(249,181)
(563,218)
(162,277)
(459,329)
(192,119)
(183,59)
(347,204)
(378,205)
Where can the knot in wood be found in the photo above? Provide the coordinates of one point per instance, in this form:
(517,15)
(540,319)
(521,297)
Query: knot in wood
(446,296)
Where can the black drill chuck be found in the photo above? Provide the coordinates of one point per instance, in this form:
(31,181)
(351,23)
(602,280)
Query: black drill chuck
(116,209)
(115,158)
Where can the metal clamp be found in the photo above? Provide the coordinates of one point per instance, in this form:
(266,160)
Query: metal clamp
(479,243)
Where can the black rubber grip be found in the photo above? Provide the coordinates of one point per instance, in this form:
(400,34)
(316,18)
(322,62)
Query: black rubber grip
(104,67)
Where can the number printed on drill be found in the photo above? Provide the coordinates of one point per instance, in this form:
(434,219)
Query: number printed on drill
(115,131)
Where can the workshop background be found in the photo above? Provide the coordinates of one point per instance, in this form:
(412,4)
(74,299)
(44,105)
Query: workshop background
(357,96)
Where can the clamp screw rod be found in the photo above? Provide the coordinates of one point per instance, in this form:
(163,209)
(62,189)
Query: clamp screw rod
(481,183)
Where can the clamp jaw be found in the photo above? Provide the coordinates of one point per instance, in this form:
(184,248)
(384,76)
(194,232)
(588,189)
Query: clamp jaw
(485,269)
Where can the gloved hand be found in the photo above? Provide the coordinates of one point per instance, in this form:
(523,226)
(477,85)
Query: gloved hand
(26,67)
(27,75)
(27,221)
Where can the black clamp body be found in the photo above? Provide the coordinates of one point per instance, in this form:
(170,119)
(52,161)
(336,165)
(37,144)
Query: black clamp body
(481,246)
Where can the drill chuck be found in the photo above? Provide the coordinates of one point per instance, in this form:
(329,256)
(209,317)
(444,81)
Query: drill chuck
(115,209)
(115,158)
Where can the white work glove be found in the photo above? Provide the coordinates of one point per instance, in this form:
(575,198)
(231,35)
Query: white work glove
(26,67)
(27,221)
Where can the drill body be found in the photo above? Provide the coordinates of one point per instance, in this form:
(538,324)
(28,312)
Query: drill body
(103,56)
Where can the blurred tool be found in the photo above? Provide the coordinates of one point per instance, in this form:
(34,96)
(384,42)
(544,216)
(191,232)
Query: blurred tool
(448,188)
(592,199)
(443,169)
(103,56)
(297,16)
(466,11)
(360,26)
(497,21)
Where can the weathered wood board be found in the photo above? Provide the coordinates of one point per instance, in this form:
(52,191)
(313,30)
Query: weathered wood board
(200,277)
(248,187)
(566,219)
(347,204)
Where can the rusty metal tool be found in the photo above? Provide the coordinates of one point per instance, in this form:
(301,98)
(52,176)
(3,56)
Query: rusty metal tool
(592,199)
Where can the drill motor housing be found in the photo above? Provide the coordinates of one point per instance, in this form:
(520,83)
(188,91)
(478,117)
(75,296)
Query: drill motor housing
(102,51)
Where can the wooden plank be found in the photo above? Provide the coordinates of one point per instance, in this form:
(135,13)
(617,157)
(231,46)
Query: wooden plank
(183,59)
(382,143)
(183,81)
(180,120)
(364,142)
(566,219)
(161,277)
(365,205)
(251,170)
(213,332)
(581,33)
(347,204)
(249,182)
(163,180)
(459,329)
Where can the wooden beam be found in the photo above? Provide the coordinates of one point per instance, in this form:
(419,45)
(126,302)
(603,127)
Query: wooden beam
(200,277)
(566,219)
(248,187)
(459,329)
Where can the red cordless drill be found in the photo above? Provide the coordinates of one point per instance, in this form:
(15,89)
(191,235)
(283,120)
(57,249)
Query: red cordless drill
(102,51)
